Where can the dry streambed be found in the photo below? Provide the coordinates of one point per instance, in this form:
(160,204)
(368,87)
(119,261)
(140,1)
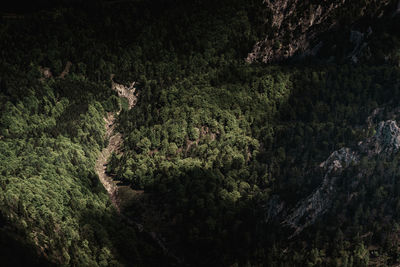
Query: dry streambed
(115,141)
(121,195)
(114,144)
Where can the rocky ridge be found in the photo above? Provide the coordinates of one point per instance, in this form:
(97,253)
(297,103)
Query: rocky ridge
(384,143)
(297,25)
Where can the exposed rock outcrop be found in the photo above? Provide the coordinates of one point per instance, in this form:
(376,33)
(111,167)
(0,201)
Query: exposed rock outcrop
(385,142)
(295,26)
(46,73)
(320,200)
(339,159)
(127,92)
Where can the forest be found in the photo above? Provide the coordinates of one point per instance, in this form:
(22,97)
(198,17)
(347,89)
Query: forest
(211,141)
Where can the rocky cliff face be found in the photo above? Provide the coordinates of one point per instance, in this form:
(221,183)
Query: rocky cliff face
(385,143)
(295,26)
(386,140)
(315,205)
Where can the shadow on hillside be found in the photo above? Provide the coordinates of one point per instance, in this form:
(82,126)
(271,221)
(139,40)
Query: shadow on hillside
(14,251)
(195,233)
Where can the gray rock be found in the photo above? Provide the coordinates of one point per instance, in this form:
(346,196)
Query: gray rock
(385,142)
(302,24)
(386,139)
(318,203)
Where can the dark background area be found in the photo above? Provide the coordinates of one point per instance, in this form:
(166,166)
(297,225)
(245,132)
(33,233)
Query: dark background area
(23,6)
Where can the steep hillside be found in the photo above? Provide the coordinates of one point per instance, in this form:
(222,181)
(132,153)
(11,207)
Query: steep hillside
(304,28)
(212,160)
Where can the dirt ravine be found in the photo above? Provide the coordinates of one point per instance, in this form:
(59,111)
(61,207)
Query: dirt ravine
(114,144)
(114,140)
(116,192)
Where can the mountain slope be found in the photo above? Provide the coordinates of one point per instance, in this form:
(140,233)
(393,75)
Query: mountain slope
(221,159)
(302,28)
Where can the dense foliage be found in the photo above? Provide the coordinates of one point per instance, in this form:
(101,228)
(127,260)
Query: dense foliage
(210,141)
